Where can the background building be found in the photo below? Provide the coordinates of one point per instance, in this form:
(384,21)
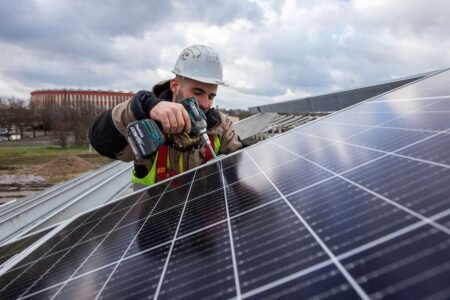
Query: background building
(78,98)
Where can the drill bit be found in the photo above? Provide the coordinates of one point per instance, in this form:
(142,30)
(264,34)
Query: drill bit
(208,143)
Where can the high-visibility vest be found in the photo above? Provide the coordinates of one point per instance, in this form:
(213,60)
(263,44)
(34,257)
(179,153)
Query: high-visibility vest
(161,165)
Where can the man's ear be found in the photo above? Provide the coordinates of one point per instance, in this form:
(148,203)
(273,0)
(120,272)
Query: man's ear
(174,85)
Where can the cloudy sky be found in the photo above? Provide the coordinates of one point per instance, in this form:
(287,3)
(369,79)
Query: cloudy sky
(272,50)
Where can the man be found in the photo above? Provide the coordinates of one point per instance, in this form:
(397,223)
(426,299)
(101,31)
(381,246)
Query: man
(198,72)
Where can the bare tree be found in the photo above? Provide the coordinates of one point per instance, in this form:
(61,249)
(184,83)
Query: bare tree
(64,121)
(35,119)
(61,124)
(86,115)
(20,115)
(5,118)
(15,116)
(43,116)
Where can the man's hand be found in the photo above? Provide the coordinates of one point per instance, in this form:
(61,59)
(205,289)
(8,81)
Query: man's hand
(172,116)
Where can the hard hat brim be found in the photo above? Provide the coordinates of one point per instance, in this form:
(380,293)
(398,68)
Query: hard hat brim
(202,79)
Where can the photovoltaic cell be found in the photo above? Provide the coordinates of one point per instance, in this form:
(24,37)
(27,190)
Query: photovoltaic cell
(206,170)
(205,185)
(369,119)
(352,206)
(62,269)
(256,191)
(346,217)
(405,267)
(268,248)
(172,199)
(89,284)
(111,249)
(309,144)
(436,121)
(203,211)
(339,157)
(445,221)
(407,182)
(240,172)
(156,230)
(423,150)
(388,139)
(9,250)
(441,105)
(295,175)
(336,131)
(325,283)
(270,155)
(137,277)
(393,107)
(200,267)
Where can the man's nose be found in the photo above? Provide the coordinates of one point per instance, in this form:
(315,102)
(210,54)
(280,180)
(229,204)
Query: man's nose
(203,102)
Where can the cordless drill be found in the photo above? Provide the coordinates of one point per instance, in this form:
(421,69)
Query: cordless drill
(198,121)
(145,136)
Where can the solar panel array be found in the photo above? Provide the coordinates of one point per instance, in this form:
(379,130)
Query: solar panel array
(355,205)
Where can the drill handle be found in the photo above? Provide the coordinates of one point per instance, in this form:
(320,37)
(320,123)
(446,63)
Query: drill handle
(197,116)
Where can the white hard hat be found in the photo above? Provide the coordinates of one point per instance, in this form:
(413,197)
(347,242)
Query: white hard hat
(201,63)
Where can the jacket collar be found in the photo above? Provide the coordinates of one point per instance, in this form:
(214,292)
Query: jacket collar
(162,90)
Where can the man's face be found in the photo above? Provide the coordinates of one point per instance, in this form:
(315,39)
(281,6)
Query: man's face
(204,93)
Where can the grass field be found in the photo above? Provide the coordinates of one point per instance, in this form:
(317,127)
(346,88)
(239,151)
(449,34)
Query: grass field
(21,157)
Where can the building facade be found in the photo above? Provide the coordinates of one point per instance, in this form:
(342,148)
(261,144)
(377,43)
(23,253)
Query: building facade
(101,100)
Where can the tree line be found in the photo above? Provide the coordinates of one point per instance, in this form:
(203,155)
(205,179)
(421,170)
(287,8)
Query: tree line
(61,121)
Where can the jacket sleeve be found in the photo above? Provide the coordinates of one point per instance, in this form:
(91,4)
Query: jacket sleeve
(104,136)
(229,141)
(107,135)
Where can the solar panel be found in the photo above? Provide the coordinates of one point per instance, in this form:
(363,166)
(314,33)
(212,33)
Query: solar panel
(355,205)
(10,249)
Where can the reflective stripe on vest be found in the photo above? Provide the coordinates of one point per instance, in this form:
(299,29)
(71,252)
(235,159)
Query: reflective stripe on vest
(147,180)
(161,167)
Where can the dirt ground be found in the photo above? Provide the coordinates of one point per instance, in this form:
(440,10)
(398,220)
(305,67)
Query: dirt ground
(18,183)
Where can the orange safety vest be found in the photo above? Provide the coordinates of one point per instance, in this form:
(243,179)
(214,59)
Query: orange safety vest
(161,165)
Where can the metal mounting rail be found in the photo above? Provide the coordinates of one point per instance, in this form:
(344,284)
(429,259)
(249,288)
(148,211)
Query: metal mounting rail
(52,191)
(10,205)
(49,208)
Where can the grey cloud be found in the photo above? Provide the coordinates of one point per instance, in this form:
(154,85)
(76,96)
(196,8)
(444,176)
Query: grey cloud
(216,12)
(405,16)
(79,30)
(299,62)
(27,21)
(333,59)
(317,47)
(77,34)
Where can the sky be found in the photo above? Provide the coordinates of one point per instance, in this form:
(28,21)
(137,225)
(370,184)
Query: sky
(272,50)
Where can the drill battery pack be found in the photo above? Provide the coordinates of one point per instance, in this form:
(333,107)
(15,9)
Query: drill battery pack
(144,137)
